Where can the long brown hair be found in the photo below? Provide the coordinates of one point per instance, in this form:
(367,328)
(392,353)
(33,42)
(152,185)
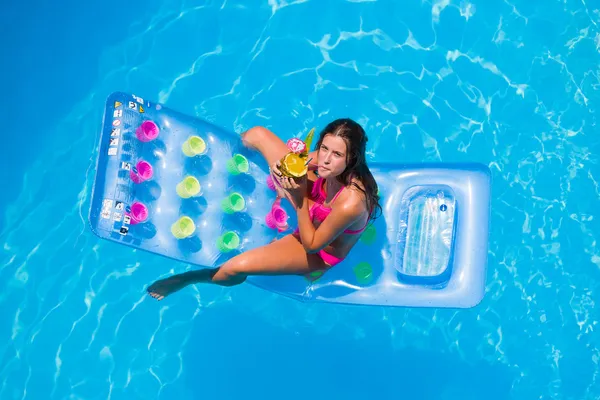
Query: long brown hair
(356,163)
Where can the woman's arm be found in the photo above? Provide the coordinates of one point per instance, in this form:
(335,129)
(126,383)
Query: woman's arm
(342,216)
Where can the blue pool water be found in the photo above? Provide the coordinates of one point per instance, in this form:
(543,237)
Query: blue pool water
(511,84)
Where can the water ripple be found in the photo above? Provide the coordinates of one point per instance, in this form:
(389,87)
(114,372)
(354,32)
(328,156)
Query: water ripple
(511,84)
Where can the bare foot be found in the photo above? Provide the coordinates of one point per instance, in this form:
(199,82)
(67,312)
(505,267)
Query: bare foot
(164,287)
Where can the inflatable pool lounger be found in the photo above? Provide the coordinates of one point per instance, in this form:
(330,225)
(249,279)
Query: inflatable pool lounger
(186,189)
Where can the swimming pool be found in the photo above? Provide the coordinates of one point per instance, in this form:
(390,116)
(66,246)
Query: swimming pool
(511,84)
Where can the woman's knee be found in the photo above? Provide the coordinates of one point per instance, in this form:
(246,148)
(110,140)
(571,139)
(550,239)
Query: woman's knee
(231,273)
(266,142)
(255,135)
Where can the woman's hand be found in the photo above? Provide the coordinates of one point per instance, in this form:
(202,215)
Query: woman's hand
(275,172)
(294,189)
(277,176)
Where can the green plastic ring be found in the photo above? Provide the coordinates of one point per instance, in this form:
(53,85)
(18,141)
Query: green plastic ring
(363,272)
(238,164)
(228,241)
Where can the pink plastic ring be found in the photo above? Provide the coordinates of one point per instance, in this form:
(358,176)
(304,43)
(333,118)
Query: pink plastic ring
(141,172)
(147,131)
(139,213)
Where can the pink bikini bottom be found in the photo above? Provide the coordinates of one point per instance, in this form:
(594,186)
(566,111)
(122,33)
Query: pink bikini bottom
(328,258)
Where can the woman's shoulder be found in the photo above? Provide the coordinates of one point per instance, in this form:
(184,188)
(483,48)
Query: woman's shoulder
(353,197)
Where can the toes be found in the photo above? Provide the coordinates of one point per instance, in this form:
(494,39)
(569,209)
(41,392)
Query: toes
(154,294)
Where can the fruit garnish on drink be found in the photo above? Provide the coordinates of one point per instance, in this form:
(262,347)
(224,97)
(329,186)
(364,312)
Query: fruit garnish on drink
(294,164)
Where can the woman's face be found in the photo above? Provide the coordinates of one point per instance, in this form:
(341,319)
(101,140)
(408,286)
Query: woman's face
(332,156)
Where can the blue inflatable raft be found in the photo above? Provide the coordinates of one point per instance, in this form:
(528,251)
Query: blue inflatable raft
(183,188)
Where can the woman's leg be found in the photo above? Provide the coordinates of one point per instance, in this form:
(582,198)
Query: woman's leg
(272,149)
(269,145)
(266,142)
(264,260)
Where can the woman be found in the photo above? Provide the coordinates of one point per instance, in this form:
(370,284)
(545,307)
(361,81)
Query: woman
(333,209)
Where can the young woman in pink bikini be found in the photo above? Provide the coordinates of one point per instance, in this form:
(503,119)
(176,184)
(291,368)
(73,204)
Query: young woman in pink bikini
(334,203)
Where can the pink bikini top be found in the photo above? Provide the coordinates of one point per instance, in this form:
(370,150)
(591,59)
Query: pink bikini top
(320,211)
